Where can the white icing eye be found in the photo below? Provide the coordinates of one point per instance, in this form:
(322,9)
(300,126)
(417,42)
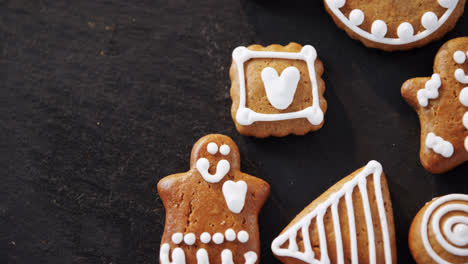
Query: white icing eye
(189,239)
(218,238)
(243,236)
(379,28)
(336,3)
(230,235)
(212,148)
(464,96)
(356,17)
(177,238)
(225,149)
(205,237)
(448,3)
(429,20)
(459,57)
(405,31)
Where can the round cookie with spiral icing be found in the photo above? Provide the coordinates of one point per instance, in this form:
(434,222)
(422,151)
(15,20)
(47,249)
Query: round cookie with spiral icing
(395,25)
(441,102)
(439,232)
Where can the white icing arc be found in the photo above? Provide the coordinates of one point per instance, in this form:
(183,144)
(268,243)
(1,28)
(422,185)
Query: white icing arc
(439,145)
(360,180)
(178,256)
(246,116)
(430,91)
(405,30)
(455,228)
(222,168)
(280,90)
(234,195)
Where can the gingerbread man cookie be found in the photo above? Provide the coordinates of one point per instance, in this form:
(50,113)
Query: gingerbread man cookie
(439,232)
(395,25)
(277,90)
(352,222)
(441,102)
(212,210)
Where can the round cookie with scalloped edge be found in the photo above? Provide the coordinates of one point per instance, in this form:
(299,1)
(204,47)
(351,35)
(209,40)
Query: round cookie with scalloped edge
(395,25)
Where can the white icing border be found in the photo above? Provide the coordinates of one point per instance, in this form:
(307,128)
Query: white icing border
(246,116)
(405,33)
(435,225)
(374,168)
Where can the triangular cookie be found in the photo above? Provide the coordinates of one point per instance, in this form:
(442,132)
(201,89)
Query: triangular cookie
(352,222)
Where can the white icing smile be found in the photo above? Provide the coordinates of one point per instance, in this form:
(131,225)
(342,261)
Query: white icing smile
(431,90)
(234,194)
(222,168)
(405,30)
(461,76)
(439,145)
(280,90)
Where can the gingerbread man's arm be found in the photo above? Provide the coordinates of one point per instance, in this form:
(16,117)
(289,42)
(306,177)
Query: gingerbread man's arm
(258,191)
(410,88)
(168,188)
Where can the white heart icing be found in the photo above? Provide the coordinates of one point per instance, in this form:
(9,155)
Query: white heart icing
(234,194)
(280,90)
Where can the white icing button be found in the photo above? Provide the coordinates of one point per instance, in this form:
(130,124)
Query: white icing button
(189,239)
(464,96)
(218,238)
(177,238)
(405,31)
(356,17)
(379,28)
(336,3)
(459,57)
(212,148)
(225,149)
(448,3)
(429,20)
(230,235)
(465,120)
(243,236)
(205,237)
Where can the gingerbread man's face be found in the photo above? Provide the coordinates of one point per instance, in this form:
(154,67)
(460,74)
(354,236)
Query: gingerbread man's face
(442,105)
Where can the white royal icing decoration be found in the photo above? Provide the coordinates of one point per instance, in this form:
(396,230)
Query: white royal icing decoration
(454,229)
(439,145)
(225,149)
(250,257)
(190,239)
(430,91)
(280,90)
(356,17)
(461,76)
(246,116)
(405,30)
(218,238)
(234,194)
(222,168)
(177,238)
(308,256)
(178,256)
(230,234)
(243,236)
(202,256)
(212,148)
(205,237)
(464,96)
(226,257)
(459,57)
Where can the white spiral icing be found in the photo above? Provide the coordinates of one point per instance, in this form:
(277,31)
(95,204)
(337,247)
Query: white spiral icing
(454,234)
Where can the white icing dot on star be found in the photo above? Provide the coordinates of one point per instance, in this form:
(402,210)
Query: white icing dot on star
(459,57)
(225,149)
(405,31)
(356,17)
(218,238)
(212,148)
(230,235)
(379,28)
(243,236)
(177,238)
(429,20)
(189,239)
(205,237)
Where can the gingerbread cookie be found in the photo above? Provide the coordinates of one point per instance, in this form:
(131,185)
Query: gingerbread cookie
(441,102)
(212,210)
(277,90)
(352,222)
(395,25)
(439,232)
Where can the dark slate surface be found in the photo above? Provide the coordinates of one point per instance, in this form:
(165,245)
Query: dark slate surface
(100,99)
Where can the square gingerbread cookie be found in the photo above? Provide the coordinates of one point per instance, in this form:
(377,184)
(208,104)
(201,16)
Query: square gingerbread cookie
(277,90)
